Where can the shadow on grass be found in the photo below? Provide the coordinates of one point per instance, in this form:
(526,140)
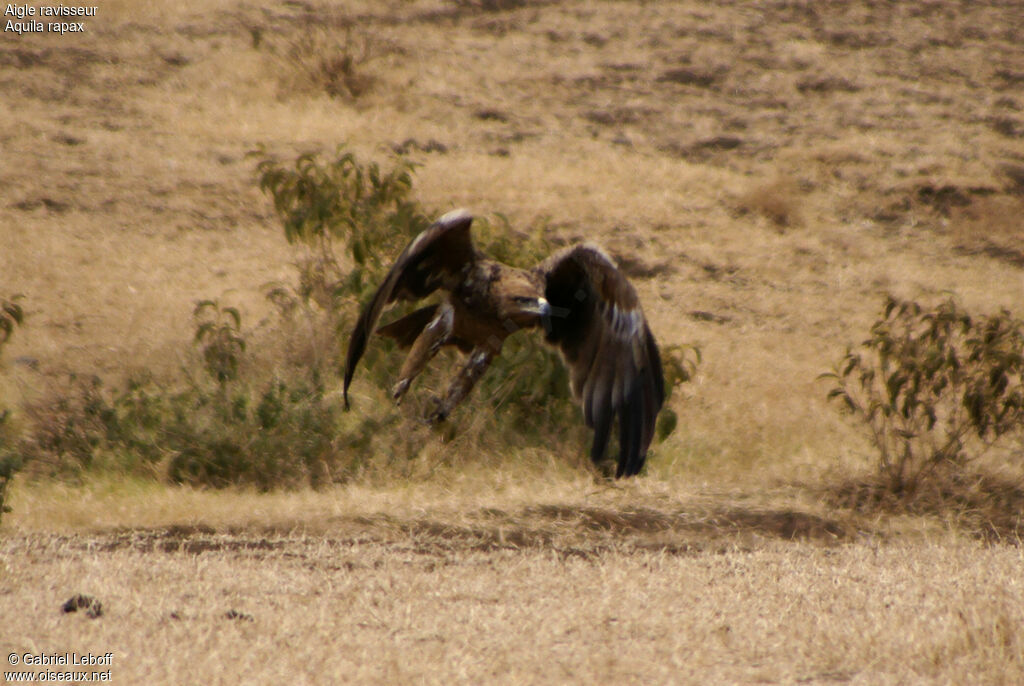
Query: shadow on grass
(985,506)
(565,530)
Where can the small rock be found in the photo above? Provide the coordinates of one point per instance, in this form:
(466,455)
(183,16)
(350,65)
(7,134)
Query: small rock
(93,608)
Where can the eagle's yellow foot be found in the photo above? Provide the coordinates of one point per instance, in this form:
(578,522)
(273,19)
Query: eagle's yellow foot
(399,389)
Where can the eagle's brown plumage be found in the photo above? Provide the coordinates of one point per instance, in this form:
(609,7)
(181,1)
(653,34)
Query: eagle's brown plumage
(587,307)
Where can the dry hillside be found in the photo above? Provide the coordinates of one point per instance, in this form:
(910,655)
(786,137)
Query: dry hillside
(769,172)
(766,172)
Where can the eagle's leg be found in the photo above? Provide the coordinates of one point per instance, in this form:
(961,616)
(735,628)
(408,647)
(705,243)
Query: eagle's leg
(462,384)
(434,335)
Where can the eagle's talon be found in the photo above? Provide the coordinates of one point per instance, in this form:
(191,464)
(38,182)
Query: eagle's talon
(399,389)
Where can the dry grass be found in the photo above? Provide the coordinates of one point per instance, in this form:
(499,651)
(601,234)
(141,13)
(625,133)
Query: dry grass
(342,609)
(513,583)
(885,139)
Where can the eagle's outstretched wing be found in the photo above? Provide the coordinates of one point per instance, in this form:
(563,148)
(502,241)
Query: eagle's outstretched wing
(435,257)
(614,363)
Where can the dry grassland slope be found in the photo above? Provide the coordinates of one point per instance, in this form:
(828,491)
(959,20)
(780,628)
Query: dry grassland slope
(767,171)
(773,168)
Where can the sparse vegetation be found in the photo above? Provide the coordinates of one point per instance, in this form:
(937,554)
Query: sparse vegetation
(329,55)
(228,425)
(936,387)
(237,423)
(283,434)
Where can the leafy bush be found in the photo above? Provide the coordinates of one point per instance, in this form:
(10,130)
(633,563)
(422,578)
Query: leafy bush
(277,434)
(10,461)
(331,205)
(11,316)
(935,387)
(68,428)
(219,429)
(250,424)
(286,434)
(320,202)
(679,363)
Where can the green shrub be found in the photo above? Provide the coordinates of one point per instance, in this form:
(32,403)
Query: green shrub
(283,435)
(68,428)
(271,434)
(233,425)
(11,316)
(679,363)
(241,423)
(371,211)
(10,461)
(935,387)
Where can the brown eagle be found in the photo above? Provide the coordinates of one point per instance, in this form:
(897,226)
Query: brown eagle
(586,306)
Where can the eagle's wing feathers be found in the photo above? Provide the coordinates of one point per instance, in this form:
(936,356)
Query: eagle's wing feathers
(615,367)
(437,255)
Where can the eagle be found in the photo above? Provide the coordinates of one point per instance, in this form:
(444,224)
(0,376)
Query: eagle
(585,305)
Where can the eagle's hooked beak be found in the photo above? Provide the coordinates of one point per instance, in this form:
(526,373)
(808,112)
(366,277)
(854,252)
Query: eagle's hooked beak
(543,307)
(531,307)
(528,305)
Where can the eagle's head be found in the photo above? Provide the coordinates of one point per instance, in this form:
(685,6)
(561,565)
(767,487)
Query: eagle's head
(520,299)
